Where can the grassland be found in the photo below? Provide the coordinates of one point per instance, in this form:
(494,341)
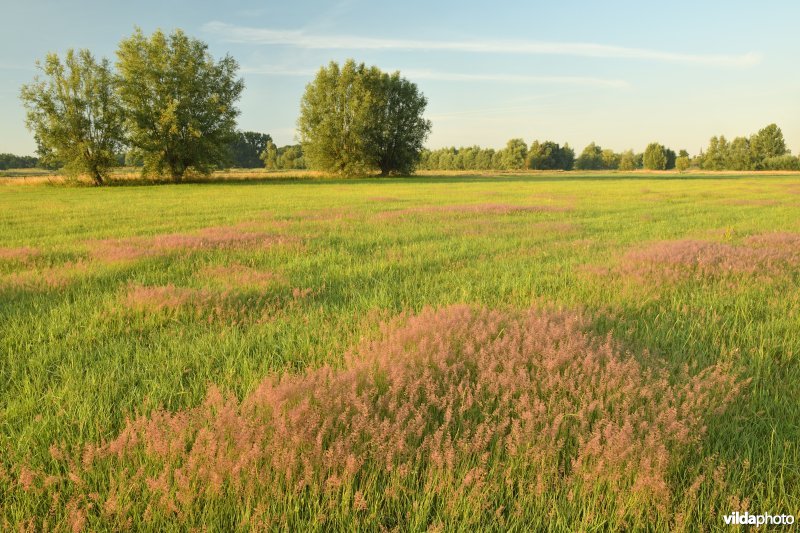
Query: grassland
(122,302)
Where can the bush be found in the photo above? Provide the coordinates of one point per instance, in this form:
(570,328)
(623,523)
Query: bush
(782,162)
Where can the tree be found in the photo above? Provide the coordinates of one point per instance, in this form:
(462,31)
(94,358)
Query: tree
(75,114)
(179,102)
(399,136)
(550,156)
(514,154)
(270,156)
(291,157)
(767,143)
(655,157)
(246,148)
(740,155)
(610,159)
(717,155)
(682,163)
(671,157)
(355,119)
(627,160)
(590,159)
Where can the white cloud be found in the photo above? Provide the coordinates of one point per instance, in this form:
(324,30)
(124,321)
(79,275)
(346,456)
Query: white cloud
(457,76)
(305,39)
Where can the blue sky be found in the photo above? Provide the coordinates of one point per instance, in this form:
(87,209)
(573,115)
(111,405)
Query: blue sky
(618,73)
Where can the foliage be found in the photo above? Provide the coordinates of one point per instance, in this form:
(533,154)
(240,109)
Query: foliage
(284,158)
(781,162)
(655,157)
(682,163)
(746,153)
(627,160)
(513,156)
(355,120)
(75,114)
(590,159)
(767,143)
(179,102)
(247,147)
(550,156)
(8,161)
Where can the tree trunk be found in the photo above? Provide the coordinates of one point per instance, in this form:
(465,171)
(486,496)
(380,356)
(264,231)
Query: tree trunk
(177,175)
(97,177)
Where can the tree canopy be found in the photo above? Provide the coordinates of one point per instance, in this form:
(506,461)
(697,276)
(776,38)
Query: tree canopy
(356,119)
(75,114)
(764,150)
(246,149)
(655,157)
(179,102)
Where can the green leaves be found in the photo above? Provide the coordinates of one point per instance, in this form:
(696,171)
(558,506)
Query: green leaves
(179,102)
(75,114)
(655,157)
(354,120)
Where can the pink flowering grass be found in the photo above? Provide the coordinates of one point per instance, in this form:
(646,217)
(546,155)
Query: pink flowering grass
(473,209)
(21,255)
(769,254)
(231,295)
(55,277)
(133,248)
(462,408)
(236,276)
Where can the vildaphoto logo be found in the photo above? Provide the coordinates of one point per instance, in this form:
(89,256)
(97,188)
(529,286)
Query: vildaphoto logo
(746,519)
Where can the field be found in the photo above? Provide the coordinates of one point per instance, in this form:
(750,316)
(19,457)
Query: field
(523,352)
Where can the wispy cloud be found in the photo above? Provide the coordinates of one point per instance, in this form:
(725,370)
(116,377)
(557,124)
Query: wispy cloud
(457,76)
(306,39)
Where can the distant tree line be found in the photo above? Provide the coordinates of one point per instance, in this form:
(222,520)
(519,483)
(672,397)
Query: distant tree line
(764,150)
(546,155)
(169,107)
(17,161)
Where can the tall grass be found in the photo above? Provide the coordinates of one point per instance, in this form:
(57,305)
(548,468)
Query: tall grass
(211,354)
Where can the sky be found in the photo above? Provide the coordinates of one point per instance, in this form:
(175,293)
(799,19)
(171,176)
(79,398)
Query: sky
(619,73)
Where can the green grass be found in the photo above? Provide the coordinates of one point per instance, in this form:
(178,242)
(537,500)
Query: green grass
(73,365)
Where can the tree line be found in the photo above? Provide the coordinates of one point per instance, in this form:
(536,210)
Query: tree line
(167,106)
(546,155)
(8,161)
(764,150)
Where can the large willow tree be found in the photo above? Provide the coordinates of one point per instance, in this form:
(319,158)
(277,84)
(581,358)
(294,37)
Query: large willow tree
(75,114)
(179,102)
(356,119)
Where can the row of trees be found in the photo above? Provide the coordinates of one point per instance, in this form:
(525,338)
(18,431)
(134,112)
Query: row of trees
(169,107)
(764,150)
(168,101)
(549,155)
(17,161)
(515,156)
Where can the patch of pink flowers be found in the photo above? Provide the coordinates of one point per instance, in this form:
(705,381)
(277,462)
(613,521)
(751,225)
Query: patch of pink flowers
(458,399)
(47,277)
(22,254)
(236,276)
(474,209)
(132,248)
(766,254)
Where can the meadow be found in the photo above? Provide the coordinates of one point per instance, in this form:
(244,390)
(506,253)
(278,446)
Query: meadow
(540,351)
